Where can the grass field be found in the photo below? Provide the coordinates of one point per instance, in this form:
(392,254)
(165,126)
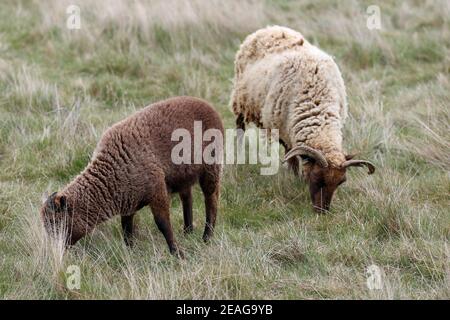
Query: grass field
(60,89)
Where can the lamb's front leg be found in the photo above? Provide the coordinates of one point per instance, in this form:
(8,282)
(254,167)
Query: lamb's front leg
(162,220)
(160,206)
(127,229)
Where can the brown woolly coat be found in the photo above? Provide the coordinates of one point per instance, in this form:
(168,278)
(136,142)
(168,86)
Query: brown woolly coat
(132,168)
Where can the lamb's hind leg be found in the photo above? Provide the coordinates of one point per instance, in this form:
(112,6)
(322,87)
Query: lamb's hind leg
(127,229)
(186,201)
(210,184)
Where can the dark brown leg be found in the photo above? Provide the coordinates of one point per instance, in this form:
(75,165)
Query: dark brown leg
(240,124)
(127,229)
(160,205)
(211,202)
(186,200)
(210,184)
(163,223)
(240,128)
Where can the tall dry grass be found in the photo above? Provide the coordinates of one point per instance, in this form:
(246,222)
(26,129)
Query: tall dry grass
(172,19)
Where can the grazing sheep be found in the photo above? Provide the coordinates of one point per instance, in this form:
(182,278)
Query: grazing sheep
(132,168)
(283,82)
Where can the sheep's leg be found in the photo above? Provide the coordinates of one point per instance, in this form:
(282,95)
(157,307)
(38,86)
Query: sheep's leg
(162,220)
(160,206)
(127,229)
(240,128)
(211,201)
(240,124)
(210,186)
(186,200)
(293,163)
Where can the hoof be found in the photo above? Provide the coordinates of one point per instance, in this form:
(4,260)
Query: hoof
(188,229)
(177,252)
(207,238)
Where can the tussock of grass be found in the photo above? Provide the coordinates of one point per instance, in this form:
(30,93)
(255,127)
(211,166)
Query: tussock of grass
(60,89)
(434,142)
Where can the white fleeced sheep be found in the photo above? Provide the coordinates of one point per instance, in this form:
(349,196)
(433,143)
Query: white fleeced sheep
(284,82)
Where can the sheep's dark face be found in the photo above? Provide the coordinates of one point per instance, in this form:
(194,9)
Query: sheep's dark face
(322,177)
(322,182)
(57,217)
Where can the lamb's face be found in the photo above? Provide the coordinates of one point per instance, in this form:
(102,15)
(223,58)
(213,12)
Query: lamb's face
(322,182)
(57,217)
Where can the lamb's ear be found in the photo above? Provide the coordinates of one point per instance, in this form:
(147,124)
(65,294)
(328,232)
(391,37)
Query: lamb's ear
(61,202)
(44,197)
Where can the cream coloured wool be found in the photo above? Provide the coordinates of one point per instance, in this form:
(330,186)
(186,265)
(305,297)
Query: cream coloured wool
(284,82)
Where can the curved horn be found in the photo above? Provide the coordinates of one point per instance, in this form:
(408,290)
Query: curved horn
(359,163)
(309,152)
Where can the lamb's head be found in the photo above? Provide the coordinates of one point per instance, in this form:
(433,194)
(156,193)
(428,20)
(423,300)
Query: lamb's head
(58,219)
(322,177)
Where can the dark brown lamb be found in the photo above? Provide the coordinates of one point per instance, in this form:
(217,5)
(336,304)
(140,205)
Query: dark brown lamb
(132,168)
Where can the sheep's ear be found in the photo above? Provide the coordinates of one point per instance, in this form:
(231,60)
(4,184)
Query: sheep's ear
(44,197)
(305,159)
(61,202)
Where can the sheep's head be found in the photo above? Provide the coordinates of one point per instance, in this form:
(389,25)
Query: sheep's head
(322,178)
(57,216)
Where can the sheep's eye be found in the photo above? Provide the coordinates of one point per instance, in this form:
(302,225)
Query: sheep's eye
(319,183)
